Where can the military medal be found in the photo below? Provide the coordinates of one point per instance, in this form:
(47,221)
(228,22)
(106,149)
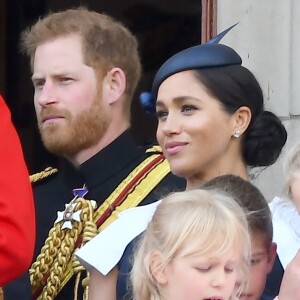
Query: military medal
(69,214)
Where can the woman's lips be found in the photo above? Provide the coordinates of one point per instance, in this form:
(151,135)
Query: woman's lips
(174,147)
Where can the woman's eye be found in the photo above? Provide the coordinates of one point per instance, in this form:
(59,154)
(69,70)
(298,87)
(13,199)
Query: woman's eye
(187,108)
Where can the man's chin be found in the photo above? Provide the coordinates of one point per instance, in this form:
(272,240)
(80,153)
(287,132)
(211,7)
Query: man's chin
(50,132)
(55,145)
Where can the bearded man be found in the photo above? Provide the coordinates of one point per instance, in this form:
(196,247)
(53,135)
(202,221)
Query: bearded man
(85,68)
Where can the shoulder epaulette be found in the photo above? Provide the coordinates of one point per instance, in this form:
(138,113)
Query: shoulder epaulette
(43,174)
(154,149)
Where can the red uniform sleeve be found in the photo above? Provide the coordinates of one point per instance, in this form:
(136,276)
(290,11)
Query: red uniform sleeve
(17,217)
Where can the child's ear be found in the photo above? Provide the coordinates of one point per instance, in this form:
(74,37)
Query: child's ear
(271,256)
(156,268)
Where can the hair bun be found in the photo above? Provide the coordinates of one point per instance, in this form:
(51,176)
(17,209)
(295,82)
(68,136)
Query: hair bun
(264,140)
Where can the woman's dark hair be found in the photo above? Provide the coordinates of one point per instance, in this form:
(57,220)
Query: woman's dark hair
(235,86)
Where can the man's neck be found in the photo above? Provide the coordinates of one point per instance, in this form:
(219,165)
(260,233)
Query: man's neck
(82,156)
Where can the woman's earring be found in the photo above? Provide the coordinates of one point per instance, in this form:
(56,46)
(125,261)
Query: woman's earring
(237,134)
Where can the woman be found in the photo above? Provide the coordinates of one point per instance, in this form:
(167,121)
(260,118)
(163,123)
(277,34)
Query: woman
(211,117)
(211,122)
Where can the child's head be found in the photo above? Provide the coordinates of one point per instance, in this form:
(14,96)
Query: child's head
(194,248)
(292,173)
(263,251)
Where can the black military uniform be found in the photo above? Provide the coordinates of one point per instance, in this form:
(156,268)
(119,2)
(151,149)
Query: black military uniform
(101,174)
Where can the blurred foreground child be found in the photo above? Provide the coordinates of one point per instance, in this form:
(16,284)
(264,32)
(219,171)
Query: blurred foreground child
(195,247)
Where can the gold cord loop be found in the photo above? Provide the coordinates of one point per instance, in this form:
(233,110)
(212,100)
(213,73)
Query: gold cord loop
(59,248)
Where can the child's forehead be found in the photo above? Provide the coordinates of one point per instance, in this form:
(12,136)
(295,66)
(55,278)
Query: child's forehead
(259,240)
(214,252)
(230,256)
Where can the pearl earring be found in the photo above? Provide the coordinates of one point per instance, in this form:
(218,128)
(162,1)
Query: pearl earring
(237,134)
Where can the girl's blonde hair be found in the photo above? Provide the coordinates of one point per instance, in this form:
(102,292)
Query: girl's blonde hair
(291,168)
(195,222)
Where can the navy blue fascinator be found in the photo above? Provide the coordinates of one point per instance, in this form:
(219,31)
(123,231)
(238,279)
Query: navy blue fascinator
(209,55)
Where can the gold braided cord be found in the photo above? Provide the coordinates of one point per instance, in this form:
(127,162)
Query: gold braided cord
(89,231)
(132,200)
(137,197)
(77,281)
(57,257)
(86,284)
(63,257)
(154,148)
(45,259)
(56,260)
(60,262)
(43,174)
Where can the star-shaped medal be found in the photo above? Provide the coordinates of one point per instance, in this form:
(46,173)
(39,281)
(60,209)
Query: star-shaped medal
(68,215)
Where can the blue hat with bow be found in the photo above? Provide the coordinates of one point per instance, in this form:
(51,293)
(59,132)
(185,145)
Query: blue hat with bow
(209,55)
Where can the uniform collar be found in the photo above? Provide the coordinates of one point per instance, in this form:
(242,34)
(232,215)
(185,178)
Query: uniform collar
(109,161)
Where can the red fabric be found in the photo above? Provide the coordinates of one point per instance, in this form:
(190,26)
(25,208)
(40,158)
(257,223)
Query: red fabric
(17,219)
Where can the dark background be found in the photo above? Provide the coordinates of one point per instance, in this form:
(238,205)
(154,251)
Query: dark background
(163,27)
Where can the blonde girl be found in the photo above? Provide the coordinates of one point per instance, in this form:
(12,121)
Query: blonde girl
(195,247)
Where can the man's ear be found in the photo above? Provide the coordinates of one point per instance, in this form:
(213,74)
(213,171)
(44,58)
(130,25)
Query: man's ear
(272,252)
(156,268)
(115,84)
(241,119)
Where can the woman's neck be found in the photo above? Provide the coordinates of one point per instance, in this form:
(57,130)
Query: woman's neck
(238,169)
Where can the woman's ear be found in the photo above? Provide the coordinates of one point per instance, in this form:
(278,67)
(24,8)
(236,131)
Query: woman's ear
(157,268)
(241,120)
(115,84)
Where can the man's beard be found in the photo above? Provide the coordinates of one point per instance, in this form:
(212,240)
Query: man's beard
(76,133)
